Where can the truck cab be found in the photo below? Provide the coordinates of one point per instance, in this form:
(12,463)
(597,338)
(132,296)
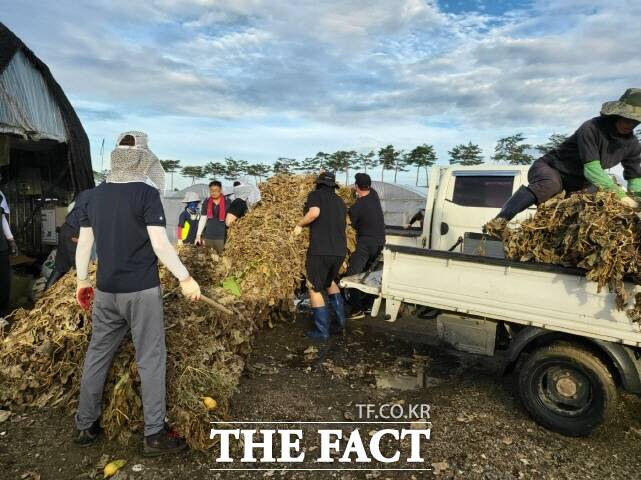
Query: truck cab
(459,201)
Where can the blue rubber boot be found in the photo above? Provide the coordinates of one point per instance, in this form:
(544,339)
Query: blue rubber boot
(321,322)
(338,305)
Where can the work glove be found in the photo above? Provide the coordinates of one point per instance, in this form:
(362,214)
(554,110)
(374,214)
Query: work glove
(629,202)
(13,247)
(190,289)
(84,294)
(298,230)
(198,240)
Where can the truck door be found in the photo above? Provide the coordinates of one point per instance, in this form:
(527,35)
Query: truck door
(467,199)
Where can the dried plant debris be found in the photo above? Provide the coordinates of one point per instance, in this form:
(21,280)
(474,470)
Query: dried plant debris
(594,232)
(41,355)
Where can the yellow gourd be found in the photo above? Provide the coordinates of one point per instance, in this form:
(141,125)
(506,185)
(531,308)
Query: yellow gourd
(112,467)
(209,403)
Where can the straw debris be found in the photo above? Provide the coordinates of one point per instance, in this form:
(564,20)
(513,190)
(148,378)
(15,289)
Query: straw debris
(594,232)
(41,355)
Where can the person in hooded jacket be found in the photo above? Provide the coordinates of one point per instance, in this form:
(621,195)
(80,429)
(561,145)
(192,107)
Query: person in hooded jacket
(580,161)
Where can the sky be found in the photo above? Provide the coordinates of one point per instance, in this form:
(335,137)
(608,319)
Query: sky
(257,79)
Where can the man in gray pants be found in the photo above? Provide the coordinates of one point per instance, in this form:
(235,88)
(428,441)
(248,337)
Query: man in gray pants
(125,217)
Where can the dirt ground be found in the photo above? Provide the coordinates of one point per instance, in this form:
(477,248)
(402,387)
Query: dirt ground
(479,428)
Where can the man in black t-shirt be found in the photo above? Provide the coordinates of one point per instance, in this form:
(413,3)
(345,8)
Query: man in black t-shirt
(325,214)
(125,217)
(366,216)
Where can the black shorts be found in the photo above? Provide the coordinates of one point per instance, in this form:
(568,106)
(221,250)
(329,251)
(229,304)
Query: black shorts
(322,270)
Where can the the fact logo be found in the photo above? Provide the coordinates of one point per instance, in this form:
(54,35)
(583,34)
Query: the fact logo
(331,445)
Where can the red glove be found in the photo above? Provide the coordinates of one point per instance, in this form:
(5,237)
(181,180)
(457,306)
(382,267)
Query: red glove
(84,296)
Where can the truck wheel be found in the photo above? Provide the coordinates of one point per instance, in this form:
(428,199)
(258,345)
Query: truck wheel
(567,389)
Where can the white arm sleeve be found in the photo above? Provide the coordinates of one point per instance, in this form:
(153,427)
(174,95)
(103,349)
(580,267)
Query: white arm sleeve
(83,252)
(165,251)
(6,228)
(201,224)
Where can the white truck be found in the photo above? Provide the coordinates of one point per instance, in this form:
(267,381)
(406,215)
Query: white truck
(568,344)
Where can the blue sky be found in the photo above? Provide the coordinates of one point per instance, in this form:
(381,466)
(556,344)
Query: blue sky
(258,79)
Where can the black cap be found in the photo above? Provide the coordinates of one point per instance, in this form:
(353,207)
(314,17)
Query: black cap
(363,180)
(327,178)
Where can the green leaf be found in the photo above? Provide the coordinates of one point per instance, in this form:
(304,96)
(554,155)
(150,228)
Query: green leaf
(231,285)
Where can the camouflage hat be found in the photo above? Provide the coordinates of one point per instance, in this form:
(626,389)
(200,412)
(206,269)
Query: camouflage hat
(628,106)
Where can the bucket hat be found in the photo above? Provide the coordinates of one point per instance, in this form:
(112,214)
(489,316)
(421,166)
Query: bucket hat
(628,106)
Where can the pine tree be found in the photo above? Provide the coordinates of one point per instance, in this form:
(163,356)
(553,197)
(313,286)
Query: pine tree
(469,154)
(171,166)
(387,158)
(512,150)
(553,142)
(195,173)
(422,156)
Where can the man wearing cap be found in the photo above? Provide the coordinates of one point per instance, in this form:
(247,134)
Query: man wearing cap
(188,219)
(212,220)
(325,213)
(125,217)
(366,216)
(580,161)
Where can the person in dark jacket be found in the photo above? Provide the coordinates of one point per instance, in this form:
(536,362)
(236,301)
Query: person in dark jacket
(325,214)
(68,240)
(580,161)
(366,216)
(7,247)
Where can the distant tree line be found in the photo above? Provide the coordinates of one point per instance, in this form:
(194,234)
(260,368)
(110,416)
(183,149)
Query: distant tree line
(512,150)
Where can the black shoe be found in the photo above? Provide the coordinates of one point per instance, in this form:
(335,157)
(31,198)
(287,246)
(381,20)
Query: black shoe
(356,315)
(162,443)
(85,438)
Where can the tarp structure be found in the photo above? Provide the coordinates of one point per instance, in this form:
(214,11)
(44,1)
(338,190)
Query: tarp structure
(33,107)
(399,202)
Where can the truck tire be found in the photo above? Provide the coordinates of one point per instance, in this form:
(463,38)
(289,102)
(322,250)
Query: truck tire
(567,389)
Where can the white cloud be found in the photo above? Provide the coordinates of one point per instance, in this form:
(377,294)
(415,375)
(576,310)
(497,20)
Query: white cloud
(338,73)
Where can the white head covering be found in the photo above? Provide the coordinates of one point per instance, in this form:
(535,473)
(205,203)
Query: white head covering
(136,163)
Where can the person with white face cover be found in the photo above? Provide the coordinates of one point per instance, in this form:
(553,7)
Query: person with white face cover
(125,217)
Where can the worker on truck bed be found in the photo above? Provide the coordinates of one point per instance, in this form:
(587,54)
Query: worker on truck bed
(579,162)
(325,213)
(366,216)
(188,219)
(212,220)
(125,217)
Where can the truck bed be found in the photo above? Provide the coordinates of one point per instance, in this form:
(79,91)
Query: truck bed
(541,295)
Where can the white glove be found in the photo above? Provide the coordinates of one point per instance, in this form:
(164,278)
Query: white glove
(629,202)
(298,230)
(190,289)
(179,242)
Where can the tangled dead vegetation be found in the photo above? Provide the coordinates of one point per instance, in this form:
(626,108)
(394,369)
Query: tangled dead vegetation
(41,355)
(594,232)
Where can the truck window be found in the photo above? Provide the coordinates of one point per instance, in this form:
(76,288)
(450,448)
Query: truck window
(482,191)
